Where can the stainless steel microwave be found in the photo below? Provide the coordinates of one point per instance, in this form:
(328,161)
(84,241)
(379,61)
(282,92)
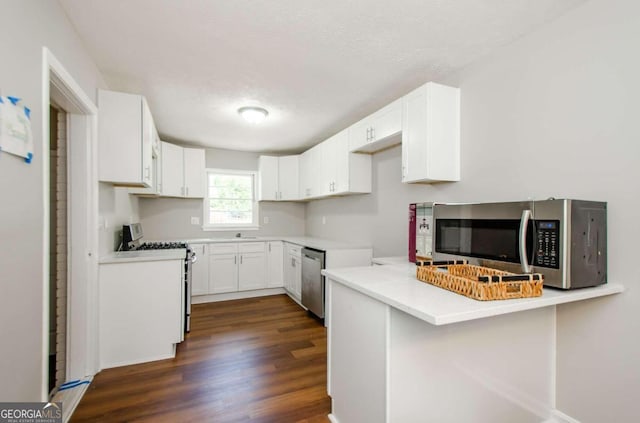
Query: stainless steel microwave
(565,240)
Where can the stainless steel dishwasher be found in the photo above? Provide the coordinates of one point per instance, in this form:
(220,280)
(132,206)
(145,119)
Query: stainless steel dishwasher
(313,281)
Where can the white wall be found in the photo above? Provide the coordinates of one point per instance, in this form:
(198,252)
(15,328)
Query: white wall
(170,218)
(27,26)
(554,114)
(116,208)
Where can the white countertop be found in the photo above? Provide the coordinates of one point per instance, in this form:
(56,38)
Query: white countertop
(317,243)
(397,286)
(143,255)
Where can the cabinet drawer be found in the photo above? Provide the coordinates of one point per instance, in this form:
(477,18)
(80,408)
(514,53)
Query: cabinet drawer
(294,249)
(223,248)
(251,247)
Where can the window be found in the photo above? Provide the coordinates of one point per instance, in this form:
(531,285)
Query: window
(231,201)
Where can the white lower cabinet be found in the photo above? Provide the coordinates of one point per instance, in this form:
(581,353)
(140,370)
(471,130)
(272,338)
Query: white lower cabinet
(251,271)
(223,273)
(293,270)
(275,254)
(200,270)
(236,267)
(141,311)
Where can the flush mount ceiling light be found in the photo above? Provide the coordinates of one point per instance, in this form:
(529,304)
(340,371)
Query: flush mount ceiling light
(253,114)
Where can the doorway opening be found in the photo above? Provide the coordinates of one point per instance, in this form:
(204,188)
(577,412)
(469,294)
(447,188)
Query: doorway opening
(70,237)
(58,247)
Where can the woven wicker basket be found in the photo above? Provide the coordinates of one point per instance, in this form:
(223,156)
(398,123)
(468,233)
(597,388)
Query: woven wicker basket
(478,282)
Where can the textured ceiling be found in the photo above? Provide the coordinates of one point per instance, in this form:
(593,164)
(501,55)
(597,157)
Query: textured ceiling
(317,66)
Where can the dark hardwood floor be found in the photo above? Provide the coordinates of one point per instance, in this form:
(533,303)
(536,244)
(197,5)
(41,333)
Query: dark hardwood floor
(255,360)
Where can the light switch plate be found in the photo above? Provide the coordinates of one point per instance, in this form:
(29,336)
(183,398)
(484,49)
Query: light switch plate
(195,220)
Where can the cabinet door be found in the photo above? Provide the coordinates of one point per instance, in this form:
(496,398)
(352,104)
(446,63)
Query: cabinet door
(387,121)
(325,168)
(288,170)
(251,271)
(288,273)
(172,173)
(316,171)
(297,277)
(148,135)
(223,273)
(414,137)
(268,178)
(305,169)
(341,169)
(120,138)
(431,134)
(194,179)
(200,270)
(275,264)
(156,170)
(359,134)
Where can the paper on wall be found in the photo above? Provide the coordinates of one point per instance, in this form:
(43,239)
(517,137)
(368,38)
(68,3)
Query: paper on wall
(15,128)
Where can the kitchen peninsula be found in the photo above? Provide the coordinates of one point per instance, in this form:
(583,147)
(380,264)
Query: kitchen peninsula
(401,350)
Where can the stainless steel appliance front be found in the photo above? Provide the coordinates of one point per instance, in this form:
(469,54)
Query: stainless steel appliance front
(312,281)
(563,239)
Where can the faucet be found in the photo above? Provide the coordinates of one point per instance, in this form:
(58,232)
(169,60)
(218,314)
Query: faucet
(238,235)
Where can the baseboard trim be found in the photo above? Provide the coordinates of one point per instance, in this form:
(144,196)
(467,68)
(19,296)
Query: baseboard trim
(70,398)
(333,418)
(212,298)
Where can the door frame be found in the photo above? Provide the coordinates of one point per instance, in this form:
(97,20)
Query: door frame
(82,216)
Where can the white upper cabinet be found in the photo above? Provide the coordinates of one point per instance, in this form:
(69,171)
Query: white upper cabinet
(172,173)
(156,171)
(330,169)
(431,134)
(194,178)
(183,171)
(268,178)
(377,131)
(288,177)
(342,172)
(125,132)
(306,176)
(278,178)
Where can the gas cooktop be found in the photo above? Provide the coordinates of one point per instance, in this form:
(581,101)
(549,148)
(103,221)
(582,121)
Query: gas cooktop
(161,245)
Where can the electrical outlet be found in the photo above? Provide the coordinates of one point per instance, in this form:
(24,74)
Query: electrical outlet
(195,220)
(324,220)
(265,220)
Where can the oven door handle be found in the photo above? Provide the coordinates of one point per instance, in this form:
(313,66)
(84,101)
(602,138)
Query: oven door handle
(524,225)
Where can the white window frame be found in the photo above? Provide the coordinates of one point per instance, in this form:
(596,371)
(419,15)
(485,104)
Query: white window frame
(228,226)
